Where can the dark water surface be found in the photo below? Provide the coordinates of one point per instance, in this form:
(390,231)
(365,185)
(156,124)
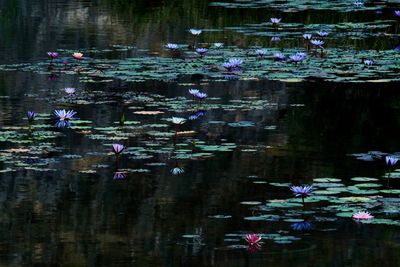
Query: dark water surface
(78,215)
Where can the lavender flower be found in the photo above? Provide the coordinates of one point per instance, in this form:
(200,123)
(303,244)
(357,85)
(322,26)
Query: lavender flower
(69,90)
(232,64)
(302,191)
(275,20)
(193,91)
(195,32)
(279,57)
(368,62)
(218,45)
(118,148)
(318,43)
(275,39)
(171,46)
(201,96)
(52,55)
(261,52)
(177,170)
(397,13)
(119,175)
(322,33)
(307,36)
(31,116)
(302,226)
(201,51)
(359,3)
(64,115)
(391,160)
(296,58)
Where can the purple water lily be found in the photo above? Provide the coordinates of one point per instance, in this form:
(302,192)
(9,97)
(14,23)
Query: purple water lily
(201,51)
(297,58)
(177,170)
(368,62)
(70,90)
(397,13)
(193,91)
(201,96)
(279,57)
(322,33)
(359,3)
(307,36)
(118,175)
(302,226)
(64,115)
(275,20)
(172,46)
(261,52)
(118,148)
(52,55)
(197,114)
(302,191)
(275,39)
(391,160)
(31,116)
(233,64)
(317,43)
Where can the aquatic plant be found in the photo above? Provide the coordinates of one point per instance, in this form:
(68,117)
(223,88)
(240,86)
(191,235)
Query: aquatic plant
(253,239)
(201,96)
(362,215)
(197,114)
(64,115)
(233,64)
(172,46)
(317,43)
(302,191)
(368,62)
(195,32)
(118,148)
(261,53)
(322,33)
(70,90)
(218,45)
(52,55)
(77,55)
(275,20)
(397,13)
(193,91)
(279,57)
(275,39)
(178,120)
(177,170)
(31,116)
(296,58)
(391,160)
(359,3)
(201,51)
(307,36)
(118,175)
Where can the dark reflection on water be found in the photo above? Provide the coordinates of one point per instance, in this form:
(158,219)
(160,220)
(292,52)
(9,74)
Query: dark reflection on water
(69,218)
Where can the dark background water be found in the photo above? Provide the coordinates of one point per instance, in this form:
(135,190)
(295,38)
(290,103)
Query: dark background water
(72,219)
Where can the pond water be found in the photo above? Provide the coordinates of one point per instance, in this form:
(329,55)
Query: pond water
(187,195)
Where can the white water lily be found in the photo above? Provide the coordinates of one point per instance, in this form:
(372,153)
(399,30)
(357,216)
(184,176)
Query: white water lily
(178,120)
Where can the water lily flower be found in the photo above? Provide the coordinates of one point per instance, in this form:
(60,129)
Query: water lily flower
(362,215)
(261,52)
(77,55)
(177,170)
(178,120)
(201,95)
(302,191)
(359,3)
(195,32)
(318,43)
(119,175)
(193,91)
(201,51)
(69,90)
(233,63)
(31,116)
(275,20)
(52,55)
(118,148)
(64,115)
(172,46)
(296,58)
(397,13)
(279,56)
(307,36)
(197,114)
(391,160)
(275,39)
(253,239)
(368,62)
(322,33)
(218,45)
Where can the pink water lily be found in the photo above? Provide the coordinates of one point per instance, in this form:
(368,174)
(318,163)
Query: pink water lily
(362,215)
(253,239)
(118,148)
